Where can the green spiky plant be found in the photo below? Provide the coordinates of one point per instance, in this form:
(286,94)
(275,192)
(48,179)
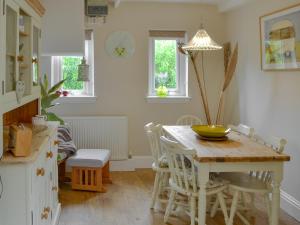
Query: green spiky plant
(48,96)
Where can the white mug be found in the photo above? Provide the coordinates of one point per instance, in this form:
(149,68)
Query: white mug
(39,120)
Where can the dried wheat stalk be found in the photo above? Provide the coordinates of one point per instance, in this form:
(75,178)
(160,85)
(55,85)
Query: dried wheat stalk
(228,77)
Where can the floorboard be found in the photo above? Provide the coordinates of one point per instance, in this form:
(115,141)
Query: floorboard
(127,203)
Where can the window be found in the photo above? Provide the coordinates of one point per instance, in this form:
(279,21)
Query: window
(167,66)
(66,67)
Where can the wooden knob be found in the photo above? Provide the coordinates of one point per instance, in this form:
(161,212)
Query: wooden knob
(49,155)
(44,216)
(40,172)
(34,60)
(47,209)
(54,188)
(56,142)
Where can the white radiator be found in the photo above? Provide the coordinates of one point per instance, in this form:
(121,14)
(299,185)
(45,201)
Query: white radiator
(108,132)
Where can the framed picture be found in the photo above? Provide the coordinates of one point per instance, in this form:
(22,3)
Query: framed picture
(280,39)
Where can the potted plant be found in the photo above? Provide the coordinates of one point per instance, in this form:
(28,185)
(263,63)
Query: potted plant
(48,96)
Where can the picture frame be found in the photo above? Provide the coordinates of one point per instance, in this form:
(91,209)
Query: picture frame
(280,39)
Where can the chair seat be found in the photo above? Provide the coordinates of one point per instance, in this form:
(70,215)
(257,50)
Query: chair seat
(93,158)
(245,182)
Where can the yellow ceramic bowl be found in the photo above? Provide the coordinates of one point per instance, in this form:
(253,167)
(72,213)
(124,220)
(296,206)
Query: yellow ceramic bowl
(214,131)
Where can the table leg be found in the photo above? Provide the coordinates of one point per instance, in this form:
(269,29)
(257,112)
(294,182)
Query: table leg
(275,210)
(203,177)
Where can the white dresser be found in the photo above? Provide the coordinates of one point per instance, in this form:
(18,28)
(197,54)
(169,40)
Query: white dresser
(30,184)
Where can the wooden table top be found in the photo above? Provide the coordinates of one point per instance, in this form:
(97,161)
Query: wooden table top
(238,148)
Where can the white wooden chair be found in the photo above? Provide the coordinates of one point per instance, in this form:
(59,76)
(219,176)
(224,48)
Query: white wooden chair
(188,120)
(160,164)
(256,182)
(183,180)
(243,129)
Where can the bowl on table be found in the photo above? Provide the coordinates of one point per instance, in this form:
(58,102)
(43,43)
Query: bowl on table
(211,131)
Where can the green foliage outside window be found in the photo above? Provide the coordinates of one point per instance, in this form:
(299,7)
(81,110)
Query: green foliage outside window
(165,63)
(70,73)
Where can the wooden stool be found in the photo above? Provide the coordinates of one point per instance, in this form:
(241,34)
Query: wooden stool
(90,169)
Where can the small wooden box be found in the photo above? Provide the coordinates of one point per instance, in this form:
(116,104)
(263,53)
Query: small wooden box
(20,140)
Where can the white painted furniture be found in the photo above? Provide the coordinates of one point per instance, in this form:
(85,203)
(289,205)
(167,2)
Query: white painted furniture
(160,164)
(243,129)
(238,154)
(255,182)
(30,184)
(183,179)
(19,52)
(189,120)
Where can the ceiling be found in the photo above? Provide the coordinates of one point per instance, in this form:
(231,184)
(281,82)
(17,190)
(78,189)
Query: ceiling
(223,5)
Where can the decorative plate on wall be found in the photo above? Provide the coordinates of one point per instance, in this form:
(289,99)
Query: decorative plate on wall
(120,44)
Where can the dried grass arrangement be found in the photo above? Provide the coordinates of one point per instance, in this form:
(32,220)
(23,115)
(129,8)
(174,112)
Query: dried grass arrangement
(230,67)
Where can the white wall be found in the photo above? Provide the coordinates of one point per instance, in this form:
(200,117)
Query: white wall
(267,101)
(121,84)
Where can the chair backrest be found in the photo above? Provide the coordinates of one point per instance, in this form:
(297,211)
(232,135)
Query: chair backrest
(182,177)
(243,129)
(189,120)
(278,145)
(153,133)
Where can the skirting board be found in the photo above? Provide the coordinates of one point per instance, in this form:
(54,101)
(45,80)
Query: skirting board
(136,162)
(290,205)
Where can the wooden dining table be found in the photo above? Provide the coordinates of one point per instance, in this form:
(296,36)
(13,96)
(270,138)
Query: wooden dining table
(237,154)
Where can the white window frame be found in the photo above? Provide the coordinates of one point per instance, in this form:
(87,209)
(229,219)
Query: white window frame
(57,75)
(181,71)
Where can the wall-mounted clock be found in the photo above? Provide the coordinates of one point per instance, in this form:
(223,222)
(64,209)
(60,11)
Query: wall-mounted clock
(120,44)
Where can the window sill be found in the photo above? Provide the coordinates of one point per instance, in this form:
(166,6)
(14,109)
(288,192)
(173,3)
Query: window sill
(168,99)
(77,99)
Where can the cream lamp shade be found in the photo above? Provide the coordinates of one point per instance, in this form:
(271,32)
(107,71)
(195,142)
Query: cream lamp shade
(83,71)
(201,42)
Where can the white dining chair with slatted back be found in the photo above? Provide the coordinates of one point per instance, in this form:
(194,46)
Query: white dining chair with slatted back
(160,164)
(189,120)
(184,179)
(243,129)
(256,182)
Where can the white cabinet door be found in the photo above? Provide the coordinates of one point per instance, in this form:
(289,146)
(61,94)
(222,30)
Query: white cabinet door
(39,193)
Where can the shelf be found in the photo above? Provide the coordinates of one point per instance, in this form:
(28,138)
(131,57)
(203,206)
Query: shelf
(10,55)
(23,34)
(23,66)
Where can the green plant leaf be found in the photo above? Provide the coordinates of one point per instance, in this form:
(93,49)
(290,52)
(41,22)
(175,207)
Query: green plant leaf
(46,84)
(46,102)
(43,90)
(56,87)
(53,117)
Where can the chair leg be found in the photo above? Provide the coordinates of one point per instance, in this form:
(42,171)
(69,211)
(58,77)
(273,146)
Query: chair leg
(268,206)
(214,208)
(223,206)
(233,207)
(193,210)
(155,189)
(169,207)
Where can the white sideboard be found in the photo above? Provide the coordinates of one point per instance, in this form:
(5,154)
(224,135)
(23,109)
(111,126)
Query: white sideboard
(30,184)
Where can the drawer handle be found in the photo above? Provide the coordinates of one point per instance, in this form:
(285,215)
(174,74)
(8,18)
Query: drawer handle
(40,172)
(44,216)
(47,209)
(56,142)
(49,155)
(54,188)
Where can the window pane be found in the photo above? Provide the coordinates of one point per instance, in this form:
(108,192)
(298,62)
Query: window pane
(70,73)
(165,63)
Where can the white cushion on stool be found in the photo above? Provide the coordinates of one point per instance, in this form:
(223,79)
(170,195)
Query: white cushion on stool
(94,158)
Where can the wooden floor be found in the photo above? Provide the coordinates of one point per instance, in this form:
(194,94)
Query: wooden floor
(127,203)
